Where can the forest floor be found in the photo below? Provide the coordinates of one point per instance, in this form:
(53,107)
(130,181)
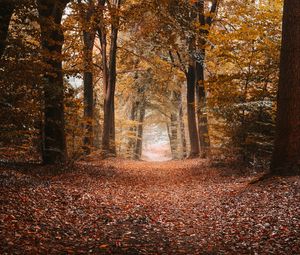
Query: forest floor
(127,207)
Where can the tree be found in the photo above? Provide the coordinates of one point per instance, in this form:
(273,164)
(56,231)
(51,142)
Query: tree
(286,155)
(242,76)
(52,39)
(191,114)
(20,90)
(109,59)
(204,22)
(89,32)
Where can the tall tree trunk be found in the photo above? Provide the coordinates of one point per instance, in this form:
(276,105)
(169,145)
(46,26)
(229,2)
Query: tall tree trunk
(88,40)
(108,138)
(6,12)
(54,140)
(204,140)
(174,124)
(192,126)
(286,155)
(140,129)
(88,92)
(181,128)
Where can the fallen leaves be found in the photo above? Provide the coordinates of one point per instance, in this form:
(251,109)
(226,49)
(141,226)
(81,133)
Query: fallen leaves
(128,207)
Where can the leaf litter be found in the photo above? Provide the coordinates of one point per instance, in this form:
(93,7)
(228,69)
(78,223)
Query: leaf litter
(120,206)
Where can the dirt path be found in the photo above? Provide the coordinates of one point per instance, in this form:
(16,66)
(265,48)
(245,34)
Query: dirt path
(128,207)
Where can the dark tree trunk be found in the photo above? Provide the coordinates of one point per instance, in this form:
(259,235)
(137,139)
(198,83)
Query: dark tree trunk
(6,12)
(54,141)
(88,40)
(204,140)
(88,99)
(140,129)
(192,126)
(286,155)
(108,137)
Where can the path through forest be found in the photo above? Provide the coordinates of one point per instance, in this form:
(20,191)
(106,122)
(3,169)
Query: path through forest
(127,207)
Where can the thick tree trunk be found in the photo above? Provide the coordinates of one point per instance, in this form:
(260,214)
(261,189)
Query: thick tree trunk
(202,118)
(6,12)
(286,155)
(204,140)
(54,141)
(192,126)
(88,40)
(88,92)
(108,138)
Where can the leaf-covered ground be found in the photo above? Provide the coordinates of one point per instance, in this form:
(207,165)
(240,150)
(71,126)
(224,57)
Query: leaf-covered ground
(127,207)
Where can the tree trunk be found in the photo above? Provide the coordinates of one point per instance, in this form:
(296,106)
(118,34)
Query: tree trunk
(88,40)
(139,140)
(181,128)
(108,138)
(132,130)
(173,135)
(192,126)
(286,155)
(54,140)
(174,125)
(204,140)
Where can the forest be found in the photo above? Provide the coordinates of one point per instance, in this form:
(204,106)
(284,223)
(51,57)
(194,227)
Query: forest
(150,127)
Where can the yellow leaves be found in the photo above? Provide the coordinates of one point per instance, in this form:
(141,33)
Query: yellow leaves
(200,27)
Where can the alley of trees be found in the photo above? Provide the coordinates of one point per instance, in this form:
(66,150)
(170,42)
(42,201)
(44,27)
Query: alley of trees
(85,76)
(90,90)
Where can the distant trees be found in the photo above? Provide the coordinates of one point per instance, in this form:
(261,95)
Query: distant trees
(286,155)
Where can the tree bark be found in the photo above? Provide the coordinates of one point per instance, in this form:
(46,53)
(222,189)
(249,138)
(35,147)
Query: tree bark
(286,155)
(204,140)
(6,11)
(108,138)
(54,140)
(88,40)
(173,135)
(192,126)
(174,125)
(132,129)
(181,127)
(140,129)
